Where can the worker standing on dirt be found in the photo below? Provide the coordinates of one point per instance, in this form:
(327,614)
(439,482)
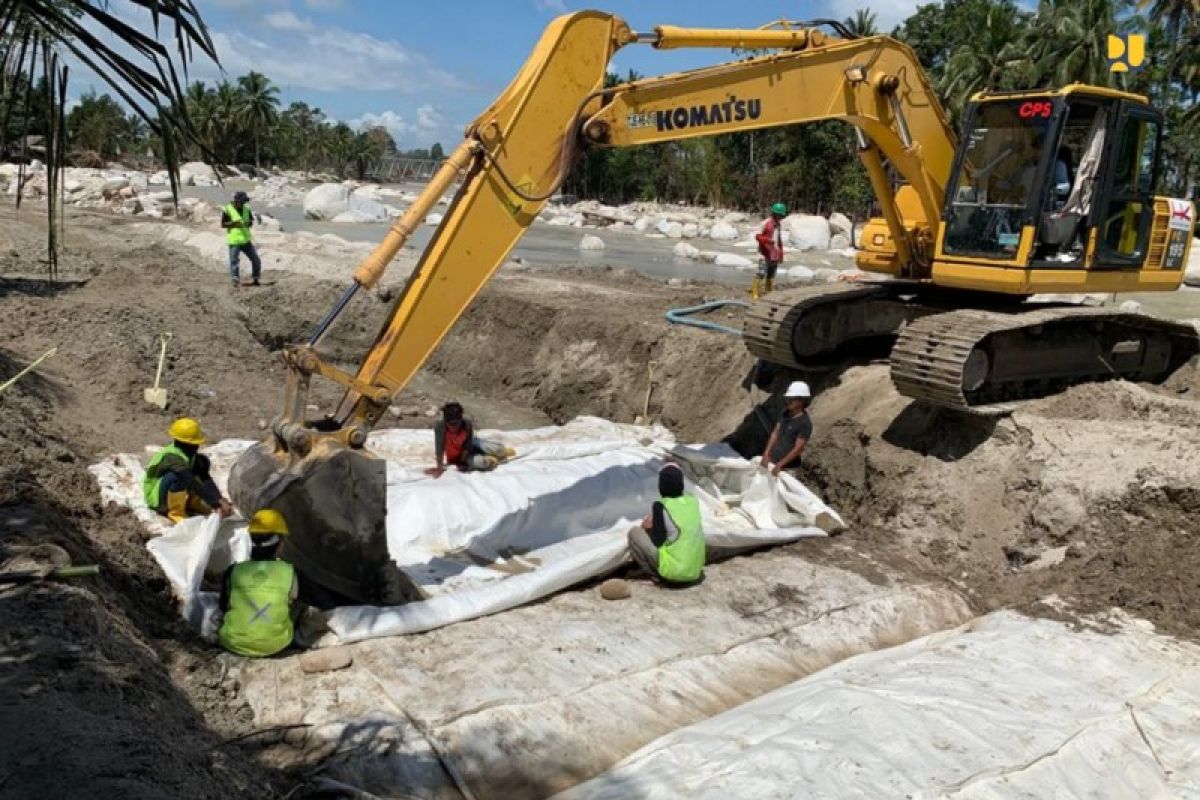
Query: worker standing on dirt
(177,483)
(455,444)
(259,597)
(770,247)
(669,544)
(237,219)
(792,432)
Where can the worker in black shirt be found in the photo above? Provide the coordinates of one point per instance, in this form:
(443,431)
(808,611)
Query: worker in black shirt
(791,433)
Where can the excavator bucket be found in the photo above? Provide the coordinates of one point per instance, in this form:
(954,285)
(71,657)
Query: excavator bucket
(334,502)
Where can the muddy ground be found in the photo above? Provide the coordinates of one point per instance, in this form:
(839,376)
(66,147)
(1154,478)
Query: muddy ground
(1089,496)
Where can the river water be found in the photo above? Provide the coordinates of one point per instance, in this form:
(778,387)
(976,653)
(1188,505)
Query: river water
(547,245)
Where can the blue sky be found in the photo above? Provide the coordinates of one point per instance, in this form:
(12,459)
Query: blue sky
(423,69)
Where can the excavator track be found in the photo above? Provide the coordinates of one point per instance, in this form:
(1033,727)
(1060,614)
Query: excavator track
(986,361)
(810,328)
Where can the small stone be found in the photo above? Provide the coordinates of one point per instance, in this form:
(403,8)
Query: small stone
(431,412)
(1131,307)
(396,411)
(328,659)
(262,424)
(614,589)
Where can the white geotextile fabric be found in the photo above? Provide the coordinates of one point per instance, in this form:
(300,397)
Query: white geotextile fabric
(1003,707)
(478,543)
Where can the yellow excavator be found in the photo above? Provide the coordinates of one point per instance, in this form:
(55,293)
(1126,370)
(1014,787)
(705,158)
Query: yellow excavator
(1046,192)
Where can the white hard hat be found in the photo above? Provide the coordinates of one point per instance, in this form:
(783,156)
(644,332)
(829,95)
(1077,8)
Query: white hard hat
(797,389)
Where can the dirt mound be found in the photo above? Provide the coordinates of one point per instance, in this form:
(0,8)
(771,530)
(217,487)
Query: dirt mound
(1085,495)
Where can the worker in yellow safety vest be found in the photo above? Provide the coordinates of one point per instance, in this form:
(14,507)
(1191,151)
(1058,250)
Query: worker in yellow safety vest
(237,219)
(259,597)
(178,483)
(669,544)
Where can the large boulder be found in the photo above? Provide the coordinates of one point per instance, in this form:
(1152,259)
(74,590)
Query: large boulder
(690,230)
(642,224)
(672,230)
(722,232)
(839,241)
(591,243)
(685,250)
(355,216)
(186,178)
(801,274)
(159,178)
(434,219)
(1192,276)
(326,201)
(735,261)
(367,208)
(199,169)
(807,232)
(840,223)
(114,184)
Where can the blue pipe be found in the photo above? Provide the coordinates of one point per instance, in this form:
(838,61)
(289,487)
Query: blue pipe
(677,316)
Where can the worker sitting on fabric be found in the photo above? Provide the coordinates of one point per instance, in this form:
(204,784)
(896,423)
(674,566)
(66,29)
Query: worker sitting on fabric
(259,597)
(791,432)
(237,219)
(770,247)
(669,544)
(455,444)
(177,483)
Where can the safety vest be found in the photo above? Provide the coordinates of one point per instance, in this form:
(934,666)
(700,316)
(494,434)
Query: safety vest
(150,486)
(237,235)
(258,622)
(683,559)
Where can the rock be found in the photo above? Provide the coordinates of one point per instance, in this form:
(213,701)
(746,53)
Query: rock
(326,201)
(825,275)
(159,178)
(807,231)
(675,282)
(113,185)
(672,230)
(1059,511)
(367,208)
(801,274)
(1131,307)
(431,411)
(131,206)
(723,232)
(685,250)
(690,230)
(186,178)
(328,659)
(839,241)
(71,186)
(709,256)
(615,589)
(268,223)
(434,219)
(642,224)
(840,223)
(199,169)
(160,197)
(591,243)
(1192,276)
(735,218)
(128,192)
(732,260)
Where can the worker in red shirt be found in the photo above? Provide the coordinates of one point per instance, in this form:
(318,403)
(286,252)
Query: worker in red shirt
(770,247)
(456,445)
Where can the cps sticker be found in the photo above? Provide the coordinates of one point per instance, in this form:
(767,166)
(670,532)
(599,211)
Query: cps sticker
(1181,216)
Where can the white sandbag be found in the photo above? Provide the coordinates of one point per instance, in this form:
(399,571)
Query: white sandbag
(1004,707)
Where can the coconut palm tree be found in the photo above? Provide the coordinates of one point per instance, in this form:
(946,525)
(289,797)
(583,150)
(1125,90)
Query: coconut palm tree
(994,58)
(226,101)
(1180,22)
(258,107)
(37,35)
(863,23)
(1068,40)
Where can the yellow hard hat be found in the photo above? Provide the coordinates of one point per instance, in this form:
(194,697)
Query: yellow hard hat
(187,430)
(267,521)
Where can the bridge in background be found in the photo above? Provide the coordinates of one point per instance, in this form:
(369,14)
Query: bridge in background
(394,169)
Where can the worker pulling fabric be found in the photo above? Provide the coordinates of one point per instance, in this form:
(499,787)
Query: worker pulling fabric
(259,597)
(178,483)
(455,444)
(770,247)
(791,433)
(669,544)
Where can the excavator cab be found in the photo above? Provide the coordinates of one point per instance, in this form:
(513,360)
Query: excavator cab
(1059,179)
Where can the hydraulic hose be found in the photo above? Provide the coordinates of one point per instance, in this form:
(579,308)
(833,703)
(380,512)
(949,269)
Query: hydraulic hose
(678,316)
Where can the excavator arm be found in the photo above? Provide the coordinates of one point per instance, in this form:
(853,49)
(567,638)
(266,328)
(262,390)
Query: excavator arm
(512,159)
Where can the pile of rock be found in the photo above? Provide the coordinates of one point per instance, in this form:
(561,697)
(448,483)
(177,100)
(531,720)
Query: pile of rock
(350,202)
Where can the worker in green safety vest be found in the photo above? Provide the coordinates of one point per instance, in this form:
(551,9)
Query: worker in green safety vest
(178,483)
(669,543)
(258,597)
(237,219)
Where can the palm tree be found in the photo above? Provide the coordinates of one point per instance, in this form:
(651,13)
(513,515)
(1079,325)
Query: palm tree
(226,100)
(340,146)
(992,60)
(202,110)
(36,35)
(1180,22)
(1069,40)
(364,149)
(257,107)
(863,23)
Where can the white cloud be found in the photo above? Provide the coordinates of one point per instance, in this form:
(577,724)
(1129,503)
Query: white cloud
(325,5)
(286,21)
(299,54)
(428,126)
(556,6)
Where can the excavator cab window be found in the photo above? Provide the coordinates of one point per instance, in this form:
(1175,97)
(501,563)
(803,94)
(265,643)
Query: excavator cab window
(1127,206)
(999,174)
